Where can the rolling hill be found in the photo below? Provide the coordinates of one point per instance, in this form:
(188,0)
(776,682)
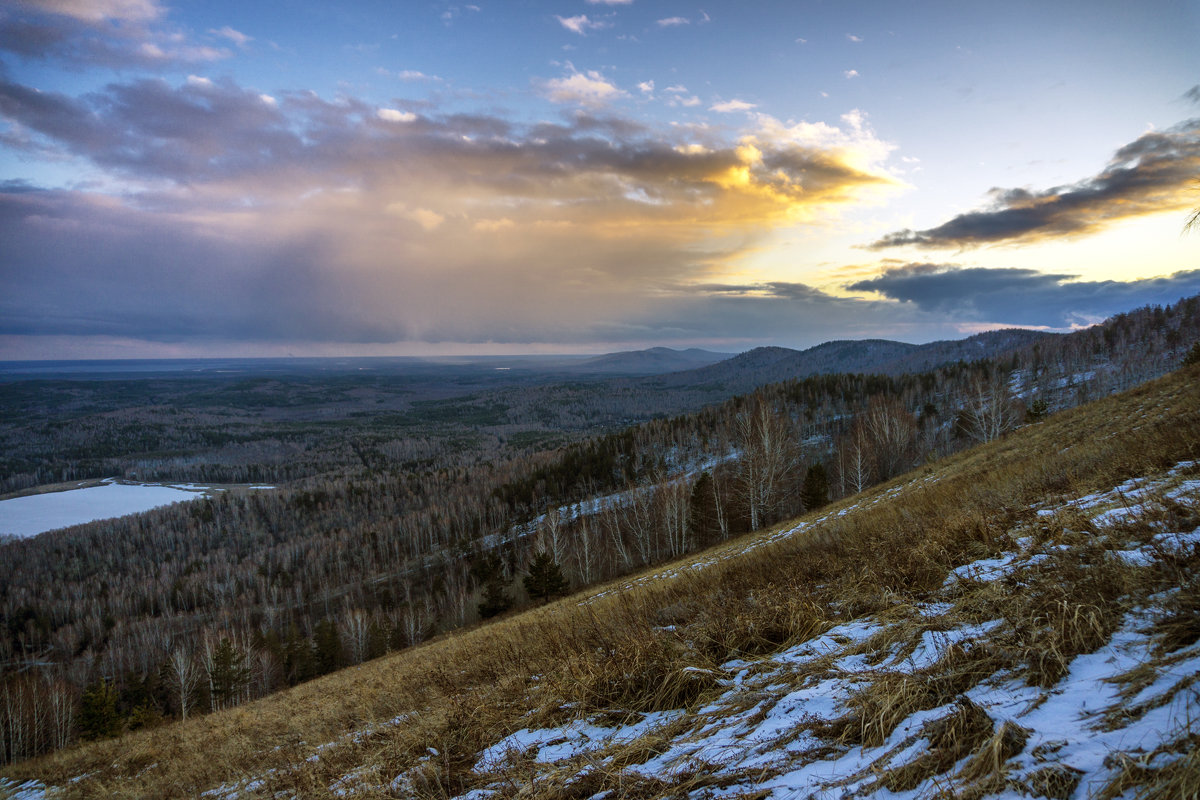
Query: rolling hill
(764,365)
(1019,619)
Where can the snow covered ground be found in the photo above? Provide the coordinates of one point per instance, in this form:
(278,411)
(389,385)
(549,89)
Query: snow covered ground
(777,726)
(767,734)
(33,514)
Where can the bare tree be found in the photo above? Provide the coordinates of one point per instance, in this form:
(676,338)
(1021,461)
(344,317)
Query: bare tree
(357,626)
(891,429)
(990,409)
(767,459)
(62,711)
(673,499)
(854,461)
(185,677)
(611,519)
(586,546)
(551,537)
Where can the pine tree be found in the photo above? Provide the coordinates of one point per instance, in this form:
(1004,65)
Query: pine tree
(98,718)
(545,578)
(815,491)
(230,674)
(495,600)
(327,647)
(706,528)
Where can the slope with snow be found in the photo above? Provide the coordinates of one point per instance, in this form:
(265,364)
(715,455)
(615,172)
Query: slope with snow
(931,698)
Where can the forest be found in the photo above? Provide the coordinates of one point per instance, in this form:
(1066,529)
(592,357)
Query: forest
(398,515)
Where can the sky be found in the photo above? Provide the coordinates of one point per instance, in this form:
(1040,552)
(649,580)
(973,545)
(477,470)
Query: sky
(409,177)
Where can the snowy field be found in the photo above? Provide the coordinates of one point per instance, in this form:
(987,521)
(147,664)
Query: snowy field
(28,516)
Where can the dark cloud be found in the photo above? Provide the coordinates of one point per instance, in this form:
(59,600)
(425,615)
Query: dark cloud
(148,128)
(298,218)
(101,39)
(1146,176)
(86,266)
(1193,94)
(1023,296)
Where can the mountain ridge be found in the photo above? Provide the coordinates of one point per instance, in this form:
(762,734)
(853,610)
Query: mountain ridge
(772,364)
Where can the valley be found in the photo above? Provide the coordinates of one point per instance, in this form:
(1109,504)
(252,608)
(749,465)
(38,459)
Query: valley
(392,527)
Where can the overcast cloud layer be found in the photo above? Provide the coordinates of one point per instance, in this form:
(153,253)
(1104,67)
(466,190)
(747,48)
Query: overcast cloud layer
(155,195)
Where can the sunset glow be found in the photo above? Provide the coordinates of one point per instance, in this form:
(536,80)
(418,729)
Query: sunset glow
(221,178)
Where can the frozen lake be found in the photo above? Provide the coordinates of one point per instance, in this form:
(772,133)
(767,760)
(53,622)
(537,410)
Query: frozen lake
(38,513)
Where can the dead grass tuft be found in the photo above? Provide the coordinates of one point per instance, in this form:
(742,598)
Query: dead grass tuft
(643,671)
(987,764)
(755,624)
(1054,781)
(1066,605)
(892,697)
(1178,780)
(1179,625)
(950,738)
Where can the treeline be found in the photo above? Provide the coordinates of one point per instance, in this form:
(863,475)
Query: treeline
(120,623)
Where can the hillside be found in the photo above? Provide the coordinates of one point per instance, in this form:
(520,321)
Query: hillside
(414,541)
(1018,619)
(764,365)
(654,361)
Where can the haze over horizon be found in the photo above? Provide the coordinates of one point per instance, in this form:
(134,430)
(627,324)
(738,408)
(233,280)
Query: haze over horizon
(185,179)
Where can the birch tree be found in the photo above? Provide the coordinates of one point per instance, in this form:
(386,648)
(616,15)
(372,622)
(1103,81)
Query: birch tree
(767,459)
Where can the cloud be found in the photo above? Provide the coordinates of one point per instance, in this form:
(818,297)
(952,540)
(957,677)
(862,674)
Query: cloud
(610,2)
(591,90)
(680,97)
(98,10)
(646,87)
(1023,296)
(850,73)
(394,115)
(337,220)
(1193,94)
(237,37)
(1150,175)
(148,128)
(672,22)
(730,106)
(853,38)
(120,35)
(581,24)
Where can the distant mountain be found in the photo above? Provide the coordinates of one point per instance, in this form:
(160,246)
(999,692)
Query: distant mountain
(982,345)
(655,361)
(764,365)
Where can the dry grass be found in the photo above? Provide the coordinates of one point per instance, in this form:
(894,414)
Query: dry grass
(893,696)
(950,738)
(660,644)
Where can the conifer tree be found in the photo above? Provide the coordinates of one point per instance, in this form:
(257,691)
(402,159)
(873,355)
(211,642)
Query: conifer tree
(98,718)
(327,647)
(488,571)
(545,578)
(706,528)
(495,600)
(815,491)
(230,674)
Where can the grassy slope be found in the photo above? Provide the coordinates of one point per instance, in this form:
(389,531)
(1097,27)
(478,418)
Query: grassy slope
(630,649)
